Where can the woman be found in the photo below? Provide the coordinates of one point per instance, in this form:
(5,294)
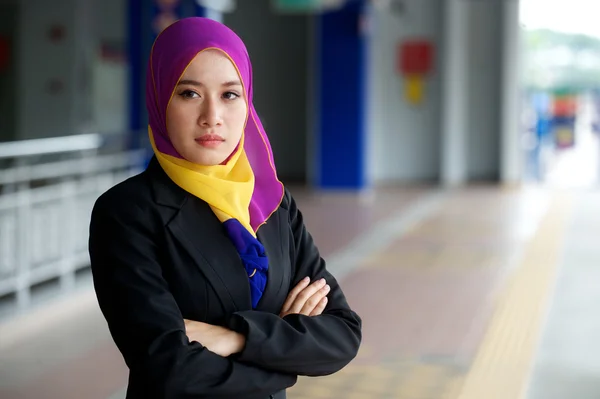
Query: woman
(203,269)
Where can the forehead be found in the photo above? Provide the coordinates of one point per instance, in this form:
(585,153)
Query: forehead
(212,63)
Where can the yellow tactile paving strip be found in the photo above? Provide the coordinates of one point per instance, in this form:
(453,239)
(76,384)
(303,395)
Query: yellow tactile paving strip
(407,380)
(502,362)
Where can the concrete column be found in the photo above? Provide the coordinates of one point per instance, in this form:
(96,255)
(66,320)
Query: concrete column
(510,156)
(454,91)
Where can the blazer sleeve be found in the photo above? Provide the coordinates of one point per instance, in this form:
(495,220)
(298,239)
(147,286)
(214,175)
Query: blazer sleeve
(304,345)
(146,323)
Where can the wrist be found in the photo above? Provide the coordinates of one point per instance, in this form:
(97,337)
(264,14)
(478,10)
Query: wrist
(239,342)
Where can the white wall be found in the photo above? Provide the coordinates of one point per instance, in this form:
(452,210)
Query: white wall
(43,113)
(404,140)
(94,93)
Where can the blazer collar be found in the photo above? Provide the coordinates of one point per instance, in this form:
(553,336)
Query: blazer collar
(164,190)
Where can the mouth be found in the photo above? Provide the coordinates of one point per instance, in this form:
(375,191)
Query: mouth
(210,140)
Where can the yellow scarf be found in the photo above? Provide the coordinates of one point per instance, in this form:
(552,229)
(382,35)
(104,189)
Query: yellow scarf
(226,188)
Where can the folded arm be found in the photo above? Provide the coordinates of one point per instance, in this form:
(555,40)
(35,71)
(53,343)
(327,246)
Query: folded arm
(297,343)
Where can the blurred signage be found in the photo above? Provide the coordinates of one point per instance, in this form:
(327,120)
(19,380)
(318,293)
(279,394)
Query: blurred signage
(218,5)
(307,5)
(564,115)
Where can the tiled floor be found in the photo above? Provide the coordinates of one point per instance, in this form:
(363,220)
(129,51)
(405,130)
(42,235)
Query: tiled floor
(427,298)
(441,280)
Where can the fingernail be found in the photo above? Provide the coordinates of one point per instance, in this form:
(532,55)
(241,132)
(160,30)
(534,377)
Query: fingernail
(323,281)
(326,288)
(306,279)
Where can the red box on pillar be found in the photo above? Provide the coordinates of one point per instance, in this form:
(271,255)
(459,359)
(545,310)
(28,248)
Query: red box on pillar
(415,57)
(414,63)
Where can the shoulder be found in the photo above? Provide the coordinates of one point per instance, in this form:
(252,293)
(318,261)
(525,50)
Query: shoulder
(287,199)
(289,207)
(126,198)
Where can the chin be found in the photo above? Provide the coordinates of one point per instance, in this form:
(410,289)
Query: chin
(206,159)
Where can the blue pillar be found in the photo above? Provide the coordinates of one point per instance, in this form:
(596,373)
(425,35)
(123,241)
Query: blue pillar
(201,11)
(341,98)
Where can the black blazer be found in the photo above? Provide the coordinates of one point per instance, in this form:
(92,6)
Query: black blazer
(159,255)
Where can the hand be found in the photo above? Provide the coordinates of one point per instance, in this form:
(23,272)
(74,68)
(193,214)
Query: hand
(309,300)
(216,339)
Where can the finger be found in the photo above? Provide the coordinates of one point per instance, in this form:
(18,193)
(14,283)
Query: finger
(293,294)
(320,307)
(305,295)
(314,301)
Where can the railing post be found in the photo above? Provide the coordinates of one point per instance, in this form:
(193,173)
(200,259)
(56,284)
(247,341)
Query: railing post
(23,266)
(68,211)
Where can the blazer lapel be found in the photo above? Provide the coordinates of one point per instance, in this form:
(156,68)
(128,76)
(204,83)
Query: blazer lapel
(272,236)
(201,233)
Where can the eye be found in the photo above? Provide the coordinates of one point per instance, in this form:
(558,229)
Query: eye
(189,94)
(230,95)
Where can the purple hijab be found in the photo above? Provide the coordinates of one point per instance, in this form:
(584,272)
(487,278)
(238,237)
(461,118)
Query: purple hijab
(172,52)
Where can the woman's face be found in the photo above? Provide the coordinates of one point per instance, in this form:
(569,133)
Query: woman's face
(207,114)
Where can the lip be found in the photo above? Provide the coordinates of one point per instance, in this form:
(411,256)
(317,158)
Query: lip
(210,140)
(210,137)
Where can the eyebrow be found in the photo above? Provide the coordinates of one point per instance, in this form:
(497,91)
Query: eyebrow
(196,83)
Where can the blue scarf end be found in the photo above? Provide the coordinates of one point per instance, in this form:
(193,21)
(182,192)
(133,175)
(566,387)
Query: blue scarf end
(253,256)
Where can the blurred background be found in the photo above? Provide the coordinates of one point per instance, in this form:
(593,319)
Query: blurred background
(445,154)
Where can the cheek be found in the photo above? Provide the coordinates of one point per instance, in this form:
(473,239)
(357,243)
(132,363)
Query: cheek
(239,118)
(178,121)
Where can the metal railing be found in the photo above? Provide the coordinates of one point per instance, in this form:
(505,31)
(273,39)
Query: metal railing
(45,207)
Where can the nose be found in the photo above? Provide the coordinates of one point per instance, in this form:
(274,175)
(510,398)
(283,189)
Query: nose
(210,113)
